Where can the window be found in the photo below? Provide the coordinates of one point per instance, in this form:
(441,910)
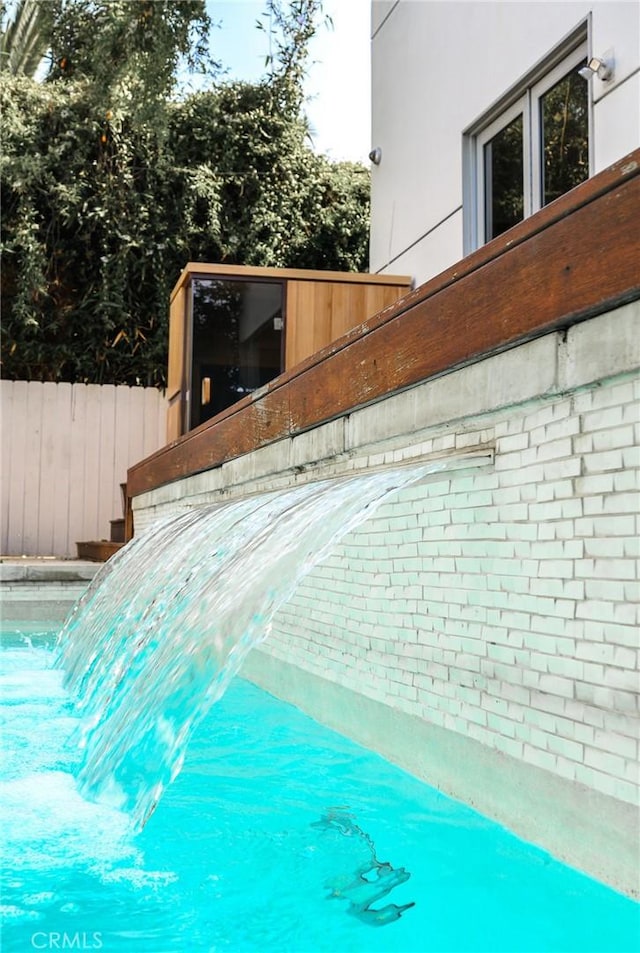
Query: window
(563,111)
(530,151)
(503,173)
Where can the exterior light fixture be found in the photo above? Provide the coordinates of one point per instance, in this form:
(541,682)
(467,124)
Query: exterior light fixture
(603,69)
(376,155)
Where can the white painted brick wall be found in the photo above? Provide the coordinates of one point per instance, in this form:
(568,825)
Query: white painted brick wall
(500,604)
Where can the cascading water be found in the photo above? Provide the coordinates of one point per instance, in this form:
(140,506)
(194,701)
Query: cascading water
(166,624)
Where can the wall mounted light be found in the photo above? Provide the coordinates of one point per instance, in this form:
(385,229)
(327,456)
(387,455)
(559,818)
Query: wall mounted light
(603,69)
(376,155)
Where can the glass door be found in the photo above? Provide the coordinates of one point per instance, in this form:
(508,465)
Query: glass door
(236,342)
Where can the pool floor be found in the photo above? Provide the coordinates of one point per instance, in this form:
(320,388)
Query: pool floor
(279,835)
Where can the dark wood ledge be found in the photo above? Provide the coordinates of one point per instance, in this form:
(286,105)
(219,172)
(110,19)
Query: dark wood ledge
(576,258)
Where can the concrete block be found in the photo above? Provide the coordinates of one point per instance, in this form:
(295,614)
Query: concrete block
(631,458)
(554,449)
(605,460)
(614,438)
(515,376)
(571,750)
(604,761)
(604,418)
(556,685)
(561,469)
(600,348)
(608,589)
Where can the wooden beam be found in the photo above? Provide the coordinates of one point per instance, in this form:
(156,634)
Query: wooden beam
(576,258)
(201,269)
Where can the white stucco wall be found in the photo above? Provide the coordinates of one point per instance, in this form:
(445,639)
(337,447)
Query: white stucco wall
(437,67)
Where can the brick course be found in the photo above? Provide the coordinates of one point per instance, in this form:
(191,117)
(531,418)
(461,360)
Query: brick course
(500,604)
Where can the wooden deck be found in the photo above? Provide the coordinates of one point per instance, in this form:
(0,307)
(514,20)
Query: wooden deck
(576,258)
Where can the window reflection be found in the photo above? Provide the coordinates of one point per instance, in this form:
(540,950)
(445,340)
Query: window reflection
(504,177)
(236,343)
(565,136)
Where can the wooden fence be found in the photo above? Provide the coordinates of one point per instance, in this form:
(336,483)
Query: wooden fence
(66,449)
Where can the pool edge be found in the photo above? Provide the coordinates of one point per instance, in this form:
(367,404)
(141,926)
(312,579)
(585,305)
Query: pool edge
(596,833)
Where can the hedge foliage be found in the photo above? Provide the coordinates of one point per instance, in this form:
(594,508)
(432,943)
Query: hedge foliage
(111,183)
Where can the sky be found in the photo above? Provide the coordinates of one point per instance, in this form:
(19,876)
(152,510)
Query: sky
(338,83)
(338,86)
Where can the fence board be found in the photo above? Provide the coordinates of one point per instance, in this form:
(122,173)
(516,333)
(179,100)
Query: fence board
(49,485)
(92,463)
(66,449)
(31,478)
(152,437)
(77,527)
(17,427)
(105,459)
(63,473)
(122,450)
(6,410)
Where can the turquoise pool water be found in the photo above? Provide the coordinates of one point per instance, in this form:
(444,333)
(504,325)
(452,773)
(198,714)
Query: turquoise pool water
(271,839)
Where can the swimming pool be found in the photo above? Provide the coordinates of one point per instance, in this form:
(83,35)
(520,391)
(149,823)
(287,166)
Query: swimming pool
(271,839)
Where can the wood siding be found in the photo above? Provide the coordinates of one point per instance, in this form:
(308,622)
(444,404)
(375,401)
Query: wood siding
(176,369)
(319,312)
(576,258)
(320,306)
(65,451)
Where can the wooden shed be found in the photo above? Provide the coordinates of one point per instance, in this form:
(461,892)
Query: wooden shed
(233,328)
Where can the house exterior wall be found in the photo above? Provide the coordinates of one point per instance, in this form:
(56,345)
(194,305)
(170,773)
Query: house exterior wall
(437,68)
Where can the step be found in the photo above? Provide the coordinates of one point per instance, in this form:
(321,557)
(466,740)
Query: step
(117,530)
(98,550)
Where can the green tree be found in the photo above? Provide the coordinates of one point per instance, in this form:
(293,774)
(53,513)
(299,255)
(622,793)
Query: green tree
(249,190)
(110,183)
(125,54)
(24,36)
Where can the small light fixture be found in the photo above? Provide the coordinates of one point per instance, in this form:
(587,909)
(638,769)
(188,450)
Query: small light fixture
(376,155)
(603,69)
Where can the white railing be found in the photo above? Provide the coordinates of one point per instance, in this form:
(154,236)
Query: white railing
(65,451)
